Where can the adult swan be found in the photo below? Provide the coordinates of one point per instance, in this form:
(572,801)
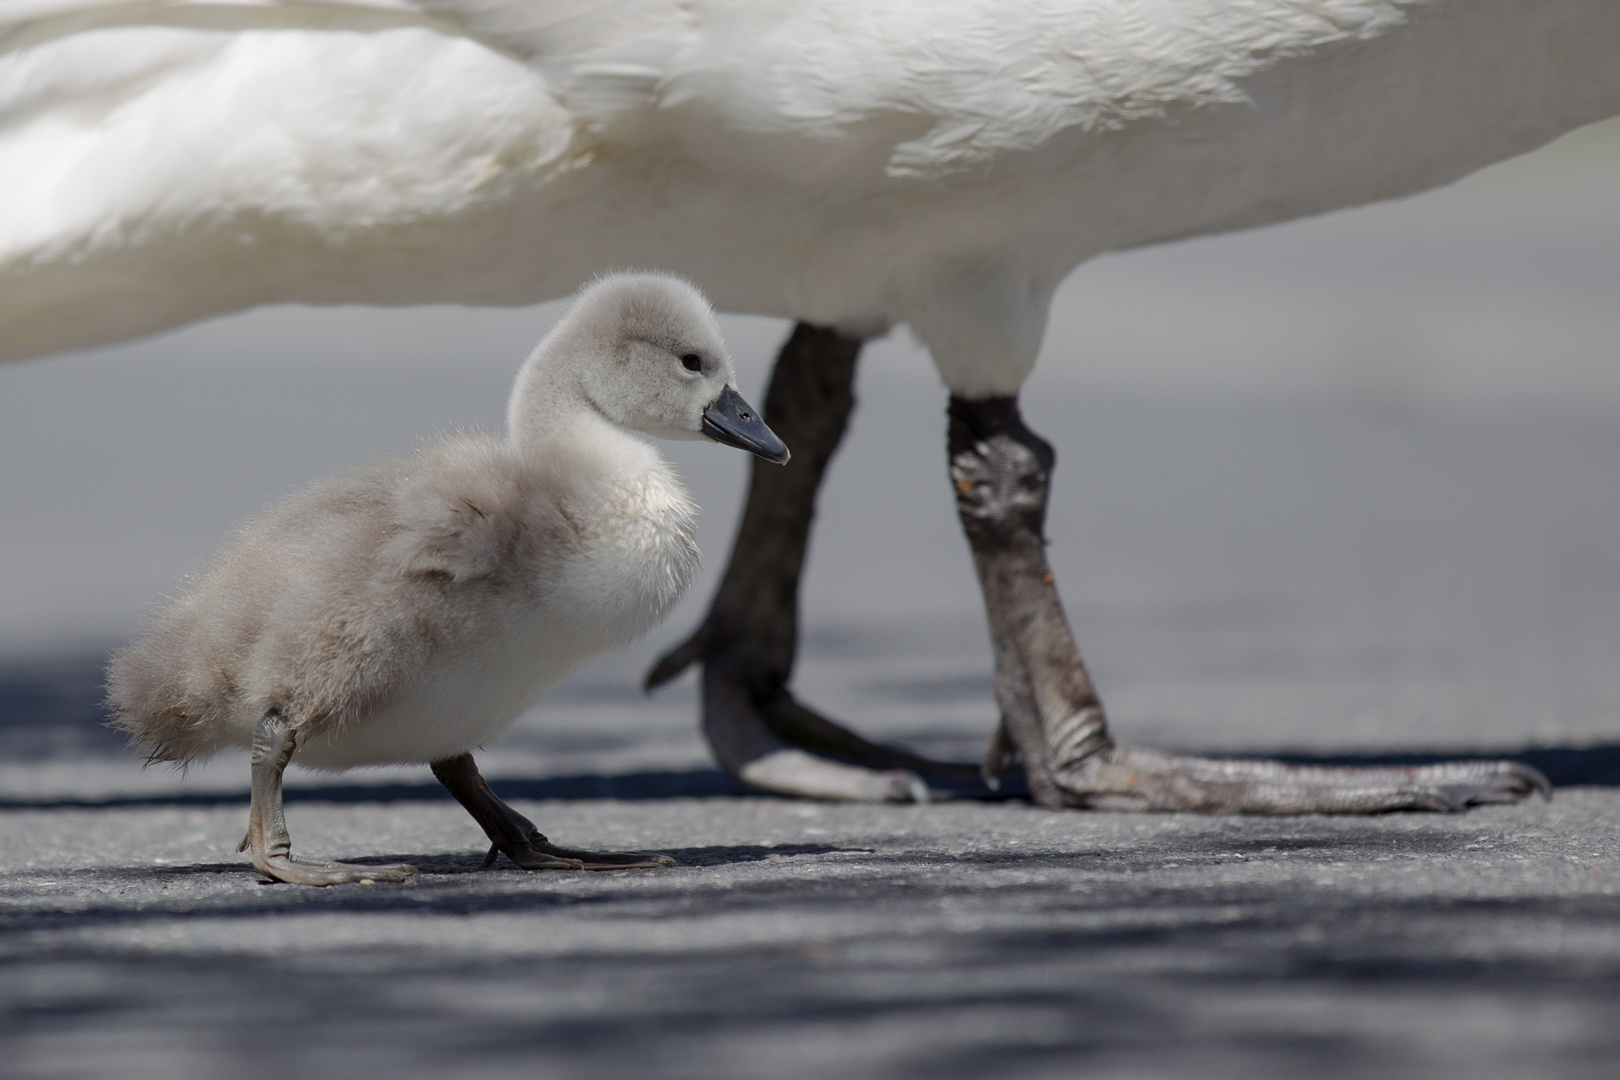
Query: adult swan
(850,164)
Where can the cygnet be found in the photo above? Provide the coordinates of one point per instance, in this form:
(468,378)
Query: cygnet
(411,610)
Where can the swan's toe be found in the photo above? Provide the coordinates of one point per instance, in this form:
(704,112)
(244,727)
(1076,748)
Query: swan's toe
(625,860)
(1466,784)
(1133,778)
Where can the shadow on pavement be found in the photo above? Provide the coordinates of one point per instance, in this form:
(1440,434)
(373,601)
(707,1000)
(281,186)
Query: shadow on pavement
(1565,766)
(1293,976)
(437,889)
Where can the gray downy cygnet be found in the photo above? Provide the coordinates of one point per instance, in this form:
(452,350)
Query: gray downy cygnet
(411,610)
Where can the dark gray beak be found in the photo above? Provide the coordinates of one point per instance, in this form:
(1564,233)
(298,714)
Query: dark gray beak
(732,421)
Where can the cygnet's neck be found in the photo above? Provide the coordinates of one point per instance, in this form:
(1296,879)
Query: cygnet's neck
(549,405)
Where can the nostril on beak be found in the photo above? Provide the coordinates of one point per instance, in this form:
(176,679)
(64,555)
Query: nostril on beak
(730,420)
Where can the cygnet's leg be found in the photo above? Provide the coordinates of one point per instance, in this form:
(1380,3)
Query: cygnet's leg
(756,729)
(511,833)
(1051,713)
(273,745)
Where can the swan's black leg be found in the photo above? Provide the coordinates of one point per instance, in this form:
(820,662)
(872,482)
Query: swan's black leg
(746,644)
(1050,712)
(512,834)
(273,744)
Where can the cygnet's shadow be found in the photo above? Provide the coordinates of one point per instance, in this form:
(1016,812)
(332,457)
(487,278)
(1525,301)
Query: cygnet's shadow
(444,864)
(451,883)
(461,862)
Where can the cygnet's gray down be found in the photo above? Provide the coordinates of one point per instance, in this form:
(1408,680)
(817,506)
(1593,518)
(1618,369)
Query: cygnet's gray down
(409,611)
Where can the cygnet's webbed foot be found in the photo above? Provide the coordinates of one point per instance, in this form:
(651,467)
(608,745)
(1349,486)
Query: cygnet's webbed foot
(267,837)
(512,834)
(286,867)
(756,729)
(1132,778)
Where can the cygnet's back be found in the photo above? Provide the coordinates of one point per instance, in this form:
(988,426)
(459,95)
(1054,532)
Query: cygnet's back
(409,611)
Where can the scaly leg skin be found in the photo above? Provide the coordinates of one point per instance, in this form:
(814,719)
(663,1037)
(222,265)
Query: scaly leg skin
(1051,713)
(755,727)
(514,835)
(273,745)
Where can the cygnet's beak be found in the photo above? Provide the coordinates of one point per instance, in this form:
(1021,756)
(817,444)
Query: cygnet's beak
(732,421)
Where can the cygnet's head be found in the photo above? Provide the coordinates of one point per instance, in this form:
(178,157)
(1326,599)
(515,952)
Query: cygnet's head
(645,352)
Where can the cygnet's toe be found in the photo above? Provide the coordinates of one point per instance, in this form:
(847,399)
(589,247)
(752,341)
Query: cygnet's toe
(299,872)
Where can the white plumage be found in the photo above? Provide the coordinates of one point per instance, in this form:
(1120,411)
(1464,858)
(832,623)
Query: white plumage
(849,163)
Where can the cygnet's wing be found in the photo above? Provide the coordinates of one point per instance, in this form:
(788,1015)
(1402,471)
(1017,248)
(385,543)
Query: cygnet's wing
(459,517)
(327,604)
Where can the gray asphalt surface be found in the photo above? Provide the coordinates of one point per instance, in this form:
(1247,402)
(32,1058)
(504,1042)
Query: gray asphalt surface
(1390,568)
(799,940)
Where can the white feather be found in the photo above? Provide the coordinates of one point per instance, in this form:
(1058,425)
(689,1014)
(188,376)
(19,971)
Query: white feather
(856,163)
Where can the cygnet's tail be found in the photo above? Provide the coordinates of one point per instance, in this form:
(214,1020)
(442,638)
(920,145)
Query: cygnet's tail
(165,718)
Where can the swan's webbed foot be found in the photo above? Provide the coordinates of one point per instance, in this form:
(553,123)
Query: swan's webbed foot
(1051,714)
(1133,778)
(267,837)
(761,734)
(515,836)
(757,730)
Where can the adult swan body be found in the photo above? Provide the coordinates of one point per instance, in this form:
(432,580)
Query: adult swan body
(849,164)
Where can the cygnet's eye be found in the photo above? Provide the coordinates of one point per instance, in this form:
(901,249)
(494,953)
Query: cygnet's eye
(692,362)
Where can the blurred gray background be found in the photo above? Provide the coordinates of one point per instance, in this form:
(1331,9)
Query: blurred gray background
(1343,484)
